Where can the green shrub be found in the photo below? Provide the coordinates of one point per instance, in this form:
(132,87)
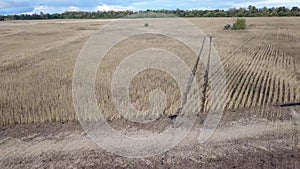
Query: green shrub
(240,24)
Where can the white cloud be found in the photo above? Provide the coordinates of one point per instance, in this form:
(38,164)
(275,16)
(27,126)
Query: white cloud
(181,4)
(105,7)
(53,9)
(45,9)
(50,9)
(73,8)
(37,10)
(269,3)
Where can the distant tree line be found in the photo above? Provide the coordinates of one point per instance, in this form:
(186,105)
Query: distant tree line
(251,11)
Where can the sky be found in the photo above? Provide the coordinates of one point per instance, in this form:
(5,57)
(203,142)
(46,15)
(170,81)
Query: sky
(58,6)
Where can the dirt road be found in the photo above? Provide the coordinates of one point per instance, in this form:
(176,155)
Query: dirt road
(241,143)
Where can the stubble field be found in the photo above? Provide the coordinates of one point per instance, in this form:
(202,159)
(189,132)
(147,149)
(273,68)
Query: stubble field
(262,67)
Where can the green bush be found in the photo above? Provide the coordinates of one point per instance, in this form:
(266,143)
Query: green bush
(240,24)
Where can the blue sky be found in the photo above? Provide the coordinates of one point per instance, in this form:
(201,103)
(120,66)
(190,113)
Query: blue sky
(59,6)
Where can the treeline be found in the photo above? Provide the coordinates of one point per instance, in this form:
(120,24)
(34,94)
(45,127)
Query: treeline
(251,11)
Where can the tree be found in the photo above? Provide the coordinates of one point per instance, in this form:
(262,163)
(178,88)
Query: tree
(209,14)
(231,12)
(295,11)
(42,16)
(241,13)
(252,9)
(265,11)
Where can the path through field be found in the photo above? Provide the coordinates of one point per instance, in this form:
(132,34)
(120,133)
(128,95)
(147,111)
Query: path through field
(66,145)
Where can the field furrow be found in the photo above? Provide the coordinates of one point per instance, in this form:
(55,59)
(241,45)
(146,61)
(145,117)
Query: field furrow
(267,91)
(261,66)
(242,84)
(262,89)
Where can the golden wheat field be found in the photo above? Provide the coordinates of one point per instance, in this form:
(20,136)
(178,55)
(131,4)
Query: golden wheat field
(38,59)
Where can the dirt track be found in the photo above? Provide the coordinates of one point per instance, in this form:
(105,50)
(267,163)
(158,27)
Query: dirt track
(242,143)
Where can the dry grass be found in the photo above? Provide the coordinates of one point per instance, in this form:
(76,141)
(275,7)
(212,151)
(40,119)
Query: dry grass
(146,81)
(37,59)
